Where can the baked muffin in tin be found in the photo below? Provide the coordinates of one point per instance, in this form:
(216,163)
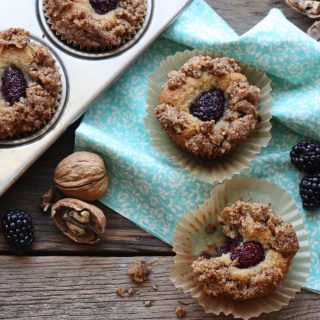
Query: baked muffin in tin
(30,84)
(95,24)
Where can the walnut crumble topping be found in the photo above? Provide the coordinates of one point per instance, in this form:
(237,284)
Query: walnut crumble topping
(78,23)
(212,138)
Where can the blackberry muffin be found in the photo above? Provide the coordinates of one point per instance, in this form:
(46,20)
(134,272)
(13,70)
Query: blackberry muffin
(95,24)
(255,257)
(208,107)
(30,84)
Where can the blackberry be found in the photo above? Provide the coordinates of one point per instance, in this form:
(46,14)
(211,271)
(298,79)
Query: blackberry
(103,6)
(248,254)
(14,85)
(209,106)
(310,191)
(18,230)
(305,156)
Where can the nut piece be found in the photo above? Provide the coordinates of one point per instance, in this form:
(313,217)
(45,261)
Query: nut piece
(180,312)
(120,292)
(309,8)
(80,221)
(138,271)
(82,175)
(46,201)
(147,304)
(314,31)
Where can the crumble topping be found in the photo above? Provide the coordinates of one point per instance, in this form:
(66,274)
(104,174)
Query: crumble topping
(78,23)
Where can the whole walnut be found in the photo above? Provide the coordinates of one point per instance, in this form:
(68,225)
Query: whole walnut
(82,175)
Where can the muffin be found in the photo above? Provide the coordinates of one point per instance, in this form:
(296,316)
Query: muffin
(254,258)
(30,84)
(95,24)
(208,108)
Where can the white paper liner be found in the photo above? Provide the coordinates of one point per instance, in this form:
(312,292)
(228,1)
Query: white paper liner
(224,167)
(78,46)
(191,238)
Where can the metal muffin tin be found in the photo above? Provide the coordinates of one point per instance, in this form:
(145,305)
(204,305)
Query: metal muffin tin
(84,75)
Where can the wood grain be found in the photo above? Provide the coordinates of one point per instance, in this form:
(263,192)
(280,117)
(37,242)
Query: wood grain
(84,288)
(244,14)
(54,283)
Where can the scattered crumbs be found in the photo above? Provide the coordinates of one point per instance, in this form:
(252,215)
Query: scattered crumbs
(180,312)
(147,304)
(211,228)
(155,287)
(120,292)
(132,291)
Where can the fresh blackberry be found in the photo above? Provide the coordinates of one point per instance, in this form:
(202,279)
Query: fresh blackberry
(248,254)
(209,106)
(18,230)
(14,85)
(310,191)
(103,6)
(306,156)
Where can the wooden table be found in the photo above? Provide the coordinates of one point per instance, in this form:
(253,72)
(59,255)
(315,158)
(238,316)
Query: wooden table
(62,280)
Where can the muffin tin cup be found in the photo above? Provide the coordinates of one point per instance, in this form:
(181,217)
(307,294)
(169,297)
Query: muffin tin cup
(89,53)
(225,167)
(191,238)
(59,107)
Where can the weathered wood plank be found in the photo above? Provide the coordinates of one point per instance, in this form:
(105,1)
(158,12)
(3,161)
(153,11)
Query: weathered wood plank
(121,236)
(243,15)
(84,287)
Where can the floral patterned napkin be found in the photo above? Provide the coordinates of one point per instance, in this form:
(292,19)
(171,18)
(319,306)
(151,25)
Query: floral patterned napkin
(149,189)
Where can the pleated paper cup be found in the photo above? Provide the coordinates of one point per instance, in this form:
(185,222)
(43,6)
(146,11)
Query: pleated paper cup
(192,237)
(224,167)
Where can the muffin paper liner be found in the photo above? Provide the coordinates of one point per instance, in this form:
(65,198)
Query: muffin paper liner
(191,238)
(218,169)
(102,49)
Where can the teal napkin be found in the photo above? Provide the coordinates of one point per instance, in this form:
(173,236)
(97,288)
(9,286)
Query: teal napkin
(149,189)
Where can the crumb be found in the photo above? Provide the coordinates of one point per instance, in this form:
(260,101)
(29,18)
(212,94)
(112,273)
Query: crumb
(132,291)
(120,292)
(180,312)
(138,271)
(211,228)
(183,303)
(155,287)
(147,304)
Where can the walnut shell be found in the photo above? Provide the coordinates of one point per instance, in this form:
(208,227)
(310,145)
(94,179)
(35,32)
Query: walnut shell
(314,31)
(80,221)
(82,175)
(309,8)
